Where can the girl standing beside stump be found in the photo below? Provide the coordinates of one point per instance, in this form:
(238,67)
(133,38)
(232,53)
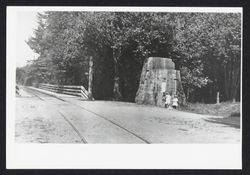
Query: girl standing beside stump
(175,102)
(167,100)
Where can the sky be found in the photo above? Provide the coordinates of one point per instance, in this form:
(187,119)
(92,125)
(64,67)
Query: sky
(26,23)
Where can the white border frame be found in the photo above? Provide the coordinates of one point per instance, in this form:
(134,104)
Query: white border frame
(110,156)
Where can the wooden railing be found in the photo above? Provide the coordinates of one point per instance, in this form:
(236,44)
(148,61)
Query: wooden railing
(65,89)
(17,90)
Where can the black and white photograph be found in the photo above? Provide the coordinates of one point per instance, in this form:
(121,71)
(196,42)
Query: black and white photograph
(125,76)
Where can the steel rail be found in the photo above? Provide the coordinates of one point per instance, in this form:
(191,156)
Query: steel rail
(83,140)
(105,118)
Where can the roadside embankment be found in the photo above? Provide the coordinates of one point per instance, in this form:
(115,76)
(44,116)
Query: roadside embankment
(228,110)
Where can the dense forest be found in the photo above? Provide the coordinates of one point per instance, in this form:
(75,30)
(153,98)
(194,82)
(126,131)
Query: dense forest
(205,47)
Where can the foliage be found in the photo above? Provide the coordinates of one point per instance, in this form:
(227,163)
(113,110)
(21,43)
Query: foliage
(203,46)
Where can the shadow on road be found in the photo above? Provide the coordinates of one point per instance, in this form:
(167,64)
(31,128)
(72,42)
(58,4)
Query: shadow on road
(230,121)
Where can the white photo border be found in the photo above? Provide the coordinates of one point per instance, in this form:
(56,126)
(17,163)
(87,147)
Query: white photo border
(110,156)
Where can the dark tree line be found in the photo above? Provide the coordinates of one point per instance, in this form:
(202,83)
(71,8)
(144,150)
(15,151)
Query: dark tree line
(206,47)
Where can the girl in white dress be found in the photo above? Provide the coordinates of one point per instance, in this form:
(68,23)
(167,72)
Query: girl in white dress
(175,102)
(167,100)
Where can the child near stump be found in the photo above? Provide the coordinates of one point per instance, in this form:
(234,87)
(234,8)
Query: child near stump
(175,102)
(167,100)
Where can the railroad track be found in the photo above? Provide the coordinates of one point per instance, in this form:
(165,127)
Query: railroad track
(83,140)
(35,93)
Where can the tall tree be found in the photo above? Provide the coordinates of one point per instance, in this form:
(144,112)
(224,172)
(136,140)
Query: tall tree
(204,46)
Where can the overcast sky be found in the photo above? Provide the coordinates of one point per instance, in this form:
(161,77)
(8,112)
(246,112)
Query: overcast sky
(26,23)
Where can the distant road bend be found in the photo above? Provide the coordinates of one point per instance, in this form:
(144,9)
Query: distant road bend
(44,118)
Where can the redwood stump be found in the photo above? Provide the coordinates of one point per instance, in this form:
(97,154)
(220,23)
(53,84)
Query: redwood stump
(159,76)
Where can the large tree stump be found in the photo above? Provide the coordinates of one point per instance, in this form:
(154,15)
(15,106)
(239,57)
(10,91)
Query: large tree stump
(159,76)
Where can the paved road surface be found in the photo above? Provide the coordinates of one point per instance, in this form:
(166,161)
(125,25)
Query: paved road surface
(42,118)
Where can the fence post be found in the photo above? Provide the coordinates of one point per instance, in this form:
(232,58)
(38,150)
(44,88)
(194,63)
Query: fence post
(90,76)
(218,98)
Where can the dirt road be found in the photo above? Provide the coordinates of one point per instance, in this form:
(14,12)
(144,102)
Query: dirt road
(42,118)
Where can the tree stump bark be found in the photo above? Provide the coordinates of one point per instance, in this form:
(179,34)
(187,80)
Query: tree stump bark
(159,76)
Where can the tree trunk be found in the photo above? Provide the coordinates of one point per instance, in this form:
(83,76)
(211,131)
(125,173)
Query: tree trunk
(232,77)
(116,89)
(90,76)
(188,94)
(236,82)
(226,82)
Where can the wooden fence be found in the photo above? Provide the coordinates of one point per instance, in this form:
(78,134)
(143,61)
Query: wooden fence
(17,90)
(79,91)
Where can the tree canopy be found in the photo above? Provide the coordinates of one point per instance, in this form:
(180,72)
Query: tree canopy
(206,47)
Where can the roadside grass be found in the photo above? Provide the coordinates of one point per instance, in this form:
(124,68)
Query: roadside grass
(230,112)
(225,109)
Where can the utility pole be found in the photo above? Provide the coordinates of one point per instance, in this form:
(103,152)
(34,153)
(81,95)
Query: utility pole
(90,77)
